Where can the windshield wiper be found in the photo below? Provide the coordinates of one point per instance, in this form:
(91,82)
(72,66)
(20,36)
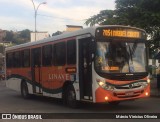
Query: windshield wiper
(130,59)
(130,53)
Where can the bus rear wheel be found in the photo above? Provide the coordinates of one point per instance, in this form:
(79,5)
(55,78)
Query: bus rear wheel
(71,97)
(24,90)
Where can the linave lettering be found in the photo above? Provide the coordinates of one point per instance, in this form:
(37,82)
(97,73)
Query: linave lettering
(59,77)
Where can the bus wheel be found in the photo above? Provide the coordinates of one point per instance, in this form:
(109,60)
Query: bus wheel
(24,90)
(71,97)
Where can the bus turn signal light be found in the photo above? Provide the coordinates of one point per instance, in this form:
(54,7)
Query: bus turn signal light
(106,98)
(148,80)
(146,94)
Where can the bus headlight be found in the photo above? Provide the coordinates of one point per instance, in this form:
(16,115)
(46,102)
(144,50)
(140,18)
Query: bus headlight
(148,80)
(143,84)
(104,85)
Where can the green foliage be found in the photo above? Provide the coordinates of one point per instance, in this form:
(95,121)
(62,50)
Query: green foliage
(25,34)
(18,37)
(9,36)
(144,14)
(105,16)
(140,13)
(57,33)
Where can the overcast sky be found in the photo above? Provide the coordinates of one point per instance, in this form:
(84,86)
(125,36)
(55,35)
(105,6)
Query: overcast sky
(18,15)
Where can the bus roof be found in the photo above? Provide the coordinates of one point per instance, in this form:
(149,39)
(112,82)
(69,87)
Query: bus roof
(90,30)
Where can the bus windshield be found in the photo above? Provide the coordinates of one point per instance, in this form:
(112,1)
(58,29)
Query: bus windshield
(120,57)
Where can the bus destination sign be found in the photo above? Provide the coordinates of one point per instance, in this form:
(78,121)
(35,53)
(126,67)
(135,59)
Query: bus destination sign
(120,32)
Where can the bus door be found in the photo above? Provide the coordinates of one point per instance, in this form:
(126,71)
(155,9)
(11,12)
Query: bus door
(36,69)
(85,71)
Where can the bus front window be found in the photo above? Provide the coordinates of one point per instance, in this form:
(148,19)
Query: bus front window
(120,57)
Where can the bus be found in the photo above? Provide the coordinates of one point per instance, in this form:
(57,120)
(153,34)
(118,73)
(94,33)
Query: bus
(103,64)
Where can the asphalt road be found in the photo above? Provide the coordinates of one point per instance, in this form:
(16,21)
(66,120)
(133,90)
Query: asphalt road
(12,102)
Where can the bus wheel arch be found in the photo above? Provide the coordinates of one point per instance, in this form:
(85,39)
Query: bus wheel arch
(24,89)
(69,95)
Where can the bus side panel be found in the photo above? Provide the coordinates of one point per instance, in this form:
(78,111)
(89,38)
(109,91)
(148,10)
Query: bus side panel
(21,73)
(53,77)
(58,95)
(14,84)
(15,76)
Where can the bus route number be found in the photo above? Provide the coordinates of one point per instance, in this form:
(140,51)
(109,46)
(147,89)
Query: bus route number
(121,33)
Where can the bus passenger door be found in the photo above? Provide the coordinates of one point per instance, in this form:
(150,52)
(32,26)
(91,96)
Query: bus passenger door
(36,69)
(85,69)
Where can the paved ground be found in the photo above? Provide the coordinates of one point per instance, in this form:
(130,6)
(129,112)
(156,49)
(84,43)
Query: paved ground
(12,102)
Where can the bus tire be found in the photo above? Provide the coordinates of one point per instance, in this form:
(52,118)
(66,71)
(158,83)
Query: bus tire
(71,97)
(24,90)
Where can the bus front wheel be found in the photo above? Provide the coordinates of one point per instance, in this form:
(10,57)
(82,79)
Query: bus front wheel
(24,90)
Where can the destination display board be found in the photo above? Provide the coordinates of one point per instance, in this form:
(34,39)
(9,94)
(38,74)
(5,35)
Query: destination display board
(120,32)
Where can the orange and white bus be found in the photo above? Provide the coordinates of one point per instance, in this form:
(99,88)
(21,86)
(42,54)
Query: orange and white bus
(104,64)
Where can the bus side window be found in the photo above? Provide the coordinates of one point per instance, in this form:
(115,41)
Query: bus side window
(17,59)
(59,52)
(9,60)
(26,58)
(37,57)
(71,52)
(47,55)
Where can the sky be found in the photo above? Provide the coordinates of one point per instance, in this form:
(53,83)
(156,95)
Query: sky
(17,15)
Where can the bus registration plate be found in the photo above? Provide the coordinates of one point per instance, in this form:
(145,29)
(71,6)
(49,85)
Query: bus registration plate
(129,93)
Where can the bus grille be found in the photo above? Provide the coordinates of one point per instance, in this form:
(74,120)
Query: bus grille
(124,78)
(127,87)
(128,94)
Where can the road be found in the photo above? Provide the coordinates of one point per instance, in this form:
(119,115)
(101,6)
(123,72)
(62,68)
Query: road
(12,102)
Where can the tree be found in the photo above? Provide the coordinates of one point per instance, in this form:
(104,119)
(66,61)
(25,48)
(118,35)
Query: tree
(17,37)
(144,14)
(140,13)
(21,37)
(9,36)
(25,34)
(105,16)
(57,33)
